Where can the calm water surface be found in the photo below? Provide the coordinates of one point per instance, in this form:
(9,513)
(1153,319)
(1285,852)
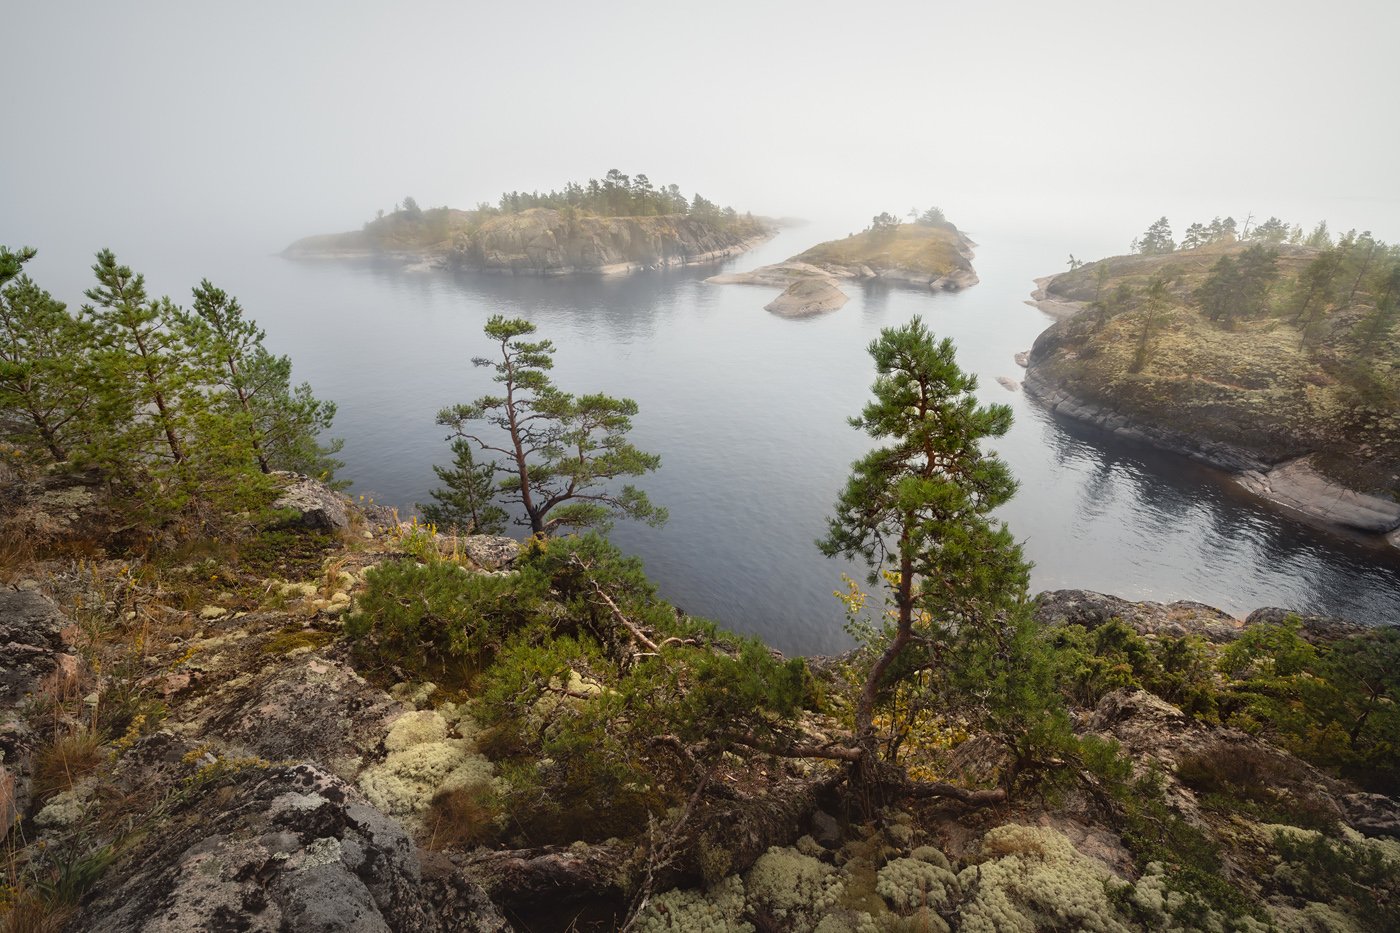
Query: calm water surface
(748,412)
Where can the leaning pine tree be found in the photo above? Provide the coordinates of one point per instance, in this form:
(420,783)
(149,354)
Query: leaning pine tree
(557,452)
(280,425)
(918,510)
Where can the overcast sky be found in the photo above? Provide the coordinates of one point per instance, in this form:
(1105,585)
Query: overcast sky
(258,122)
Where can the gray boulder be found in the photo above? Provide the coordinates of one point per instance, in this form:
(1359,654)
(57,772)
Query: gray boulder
(315,506)
(491,552)
(807,297)
(1312,628)
(1090,609)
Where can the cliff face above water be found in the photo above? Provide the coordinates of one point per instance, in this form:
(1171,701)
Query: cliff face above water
(541,241)
(1301,405)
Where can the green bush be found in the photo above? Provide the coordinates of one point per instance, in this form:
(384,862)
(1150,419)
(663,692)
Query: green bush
(440,617)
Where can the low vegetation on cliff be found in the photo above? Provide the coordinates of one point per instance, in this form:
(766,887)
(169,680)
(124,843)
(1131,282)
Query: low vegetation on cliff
(930,247)
(1279,343)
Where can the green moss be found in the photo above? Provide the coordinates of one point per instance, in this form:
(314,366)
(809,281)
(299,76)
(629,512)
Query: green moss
(294,638)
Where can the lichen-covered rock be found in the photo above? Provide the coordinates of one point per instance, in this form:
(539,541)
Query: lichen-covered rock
(1090,609)
(286,849)
(31,650)
(1033,879)
(304,708)
(491,552)
(1313,628)
(1372,814)
(313,504)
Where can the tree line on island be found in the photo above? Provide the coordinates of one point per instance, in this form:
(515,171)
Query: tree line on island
(1355,277)
(617,194)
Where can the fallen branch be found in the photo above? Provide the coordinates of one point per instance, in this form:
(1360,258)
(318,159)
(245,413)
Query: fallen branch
(976,798)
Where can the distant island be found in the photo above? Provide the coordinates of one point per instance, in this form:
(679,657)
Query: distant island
(929,252)
(618,225)
(1266,353)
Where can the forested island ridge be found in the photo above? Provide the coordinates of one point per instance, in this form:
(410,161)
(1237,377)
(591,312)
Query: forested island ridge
(618,225)
(1271,354)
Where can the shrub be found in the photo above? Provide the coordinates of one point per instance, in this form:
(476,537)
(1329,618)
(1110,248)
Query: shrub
(439,616)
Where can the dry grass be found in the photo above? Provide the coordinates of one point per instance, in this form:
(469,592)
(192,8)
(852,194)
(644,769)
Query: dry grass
(462,816)
(32,914)
(65,760)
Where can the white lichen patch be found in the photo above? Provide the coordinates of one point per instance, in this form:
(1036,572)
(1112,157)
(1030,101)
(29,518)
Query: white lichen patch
(909,884)
(1033,878)
(794,888)
(424,759)
(412,729)
(719,910)
(65,809)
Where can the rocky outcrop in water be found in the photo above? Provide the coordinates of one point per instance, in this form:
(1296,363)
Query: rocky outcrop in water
(544,242)
(807,297)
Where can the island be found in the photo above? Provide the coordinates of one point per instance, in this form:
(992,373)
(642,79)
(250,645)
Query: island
(616,226)
(1272,356)
(929,253)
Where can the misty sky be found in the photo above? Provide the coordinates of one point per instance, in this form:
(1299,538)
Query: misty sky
(257,122)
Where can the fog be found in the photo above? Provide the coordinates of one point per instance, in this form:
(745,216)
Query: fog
(192,128)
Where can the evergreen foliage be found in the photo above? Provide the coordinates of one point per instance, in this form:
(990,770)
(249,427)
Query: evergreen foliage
(47,387)
(918,510)
(283,423)
(558,451)
(464,501)
(182,413)
(1157,239)
(619,195)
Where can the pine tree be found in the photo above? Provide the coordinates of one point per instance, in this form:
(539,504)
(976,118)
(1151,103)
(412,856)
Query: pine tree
(558,451)
(146,379)
(1157,239)
(464,503)
(282,424)
(47,385)
(918,511)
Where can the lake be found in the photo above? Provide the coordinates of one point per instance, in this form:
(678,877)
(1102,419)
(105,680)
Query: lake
(748,411)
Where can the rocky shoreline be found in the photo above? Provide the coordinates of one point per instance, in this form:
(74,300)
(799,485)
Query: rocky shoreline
(1291,485)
